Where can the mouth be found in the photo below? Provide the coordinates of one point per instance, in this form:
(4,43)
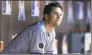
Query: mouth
(57,20)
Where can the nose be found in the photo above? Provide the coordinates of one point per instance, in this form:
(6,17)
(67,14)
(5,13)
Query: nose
(59,16)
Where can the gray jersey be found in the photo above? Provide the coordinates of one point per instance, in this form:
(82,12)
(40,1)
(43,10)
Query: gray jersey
(34,39)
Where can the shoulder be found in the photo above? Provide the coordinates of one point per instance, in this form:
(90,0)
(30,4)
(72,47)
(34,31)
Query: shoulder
(39,26)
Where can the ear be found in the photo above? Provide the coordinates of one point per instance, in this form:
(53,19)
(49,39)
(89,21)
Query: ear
(46,16)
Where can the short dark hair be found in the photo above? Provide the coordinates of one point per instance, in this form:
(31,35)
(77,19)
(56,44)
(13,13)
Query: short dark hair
(48,8)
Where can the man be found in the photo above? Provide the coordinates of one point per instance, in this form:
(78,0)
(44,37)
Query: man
(40,37)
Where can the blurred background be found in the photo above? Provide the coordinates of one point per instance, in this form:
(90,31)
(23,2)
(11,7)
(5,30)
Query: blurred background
(73,35)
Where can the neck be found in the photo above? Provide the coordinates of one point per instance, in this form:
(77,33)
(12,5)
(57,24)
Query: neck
(49,28)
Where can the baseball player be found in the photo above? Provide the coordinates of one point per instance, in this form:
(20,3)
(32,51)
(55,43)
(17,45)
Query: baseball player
(38,38)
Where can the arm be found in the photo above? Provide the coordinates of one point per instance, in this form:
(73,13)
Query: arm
(18,45)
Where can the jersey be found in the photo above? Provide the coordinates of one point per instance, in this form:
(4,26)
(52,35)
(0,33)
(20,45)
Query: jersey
(35,39)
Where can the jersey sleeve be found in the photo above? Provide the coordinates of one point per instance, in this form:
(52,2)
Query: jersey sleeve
(20,44)
(37,43)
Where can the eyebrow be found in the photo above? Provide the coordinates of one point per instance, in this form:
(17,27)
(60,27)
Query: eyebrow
(56,12)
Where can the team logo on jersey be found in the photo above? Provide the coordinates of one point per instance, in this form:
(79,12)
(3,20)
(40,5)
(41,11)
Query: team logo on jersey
(41,45)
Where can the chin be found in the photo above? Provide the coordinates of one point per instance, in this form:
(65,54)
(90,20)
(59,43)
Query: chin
(57,24)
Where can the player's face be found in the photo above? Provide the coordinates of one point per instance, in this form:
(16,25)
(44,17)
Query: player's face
(55,17)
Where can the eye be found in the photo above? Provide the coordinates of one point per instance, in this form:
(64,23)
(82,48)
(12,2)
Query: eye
(60,14)
(54,13)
